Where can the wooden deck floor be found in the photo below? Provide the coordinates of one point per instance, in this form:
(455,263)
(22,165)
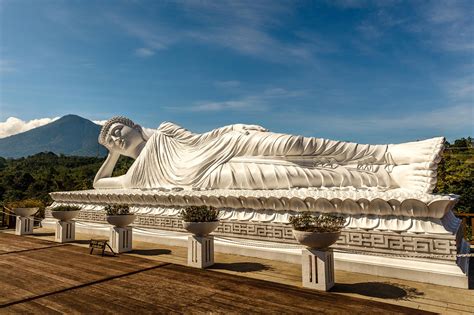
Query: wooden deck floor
(42,277)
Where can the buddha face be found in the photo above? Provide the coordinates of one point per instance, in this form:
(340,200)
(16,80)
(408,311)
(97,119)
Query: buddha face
(124,140)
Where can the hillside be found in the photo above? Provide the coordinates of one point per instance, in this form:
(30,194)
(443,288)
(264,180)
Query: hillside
(69,135)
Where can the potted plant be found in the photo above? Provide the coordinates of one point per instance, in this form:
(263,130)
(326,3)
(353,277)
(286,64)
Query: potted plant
(200,220)
(65,213)
(26,207)
(317,232)
(119,215)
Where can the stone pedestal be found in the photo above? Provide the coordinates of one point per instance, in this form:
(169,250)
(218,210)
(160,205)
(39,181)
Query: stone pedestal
(121,239)
(65,231)
(317,269)
(200,251)
(24,225)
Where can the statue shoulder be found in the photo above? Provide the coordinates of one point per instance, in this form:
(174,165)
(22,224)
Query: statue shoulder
(171,129)
(167,125)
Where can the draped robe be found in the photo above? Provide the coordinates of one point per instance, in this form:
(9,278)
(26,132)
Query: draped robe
(229,159)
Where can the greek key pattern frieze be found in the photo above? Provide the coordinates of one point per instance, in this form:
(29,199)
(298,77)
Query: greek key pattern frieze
(372,241)
(386,242)
(260,231)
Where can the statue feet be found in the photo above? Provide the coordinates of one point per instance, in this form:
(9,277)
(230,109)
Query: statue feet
(416,152)
(417,176)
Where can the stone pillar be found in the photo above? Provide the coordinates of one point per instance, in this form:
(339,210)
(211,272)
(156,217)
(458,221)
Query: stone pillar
(121,239)
(65,231)
(317,269)
(24,225)
(200,251)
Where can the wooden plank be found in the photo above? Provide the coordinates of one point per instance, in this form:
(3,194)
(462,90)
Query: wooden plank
(12,243)
(171,288)
(67,279)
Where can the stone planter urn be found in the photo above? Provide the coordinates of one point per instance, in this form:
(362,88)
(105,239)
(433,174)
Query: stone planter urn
(121,220)
(121,233)
(25,220)
(200,228)
(316,240)
(65,216)
(200,244)
(25,212)
(317,259)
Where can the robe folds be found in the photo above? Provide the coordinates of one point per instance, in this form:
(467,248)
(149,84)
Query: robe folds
(227,158)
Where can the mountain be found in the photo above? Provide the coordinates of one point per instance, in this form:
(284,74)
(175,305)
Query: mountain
(69,135)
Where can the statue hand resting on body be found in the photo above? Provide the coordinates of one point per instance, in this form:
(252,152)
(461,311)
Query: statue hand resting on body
(250,157)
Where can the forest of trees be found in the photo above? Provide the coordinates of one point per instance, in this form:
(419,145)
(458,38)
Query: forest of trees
(38,175)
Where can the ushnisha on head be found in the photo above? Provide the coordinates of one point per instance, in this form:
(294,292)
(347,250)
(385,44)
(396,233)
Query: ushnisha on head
(121,135)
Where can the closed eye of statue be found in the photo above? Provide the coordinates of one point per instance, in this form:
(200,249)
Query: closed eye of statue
(116,132)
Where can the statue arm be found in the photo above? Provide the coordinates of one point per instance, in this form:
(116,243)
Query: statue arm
(103,177)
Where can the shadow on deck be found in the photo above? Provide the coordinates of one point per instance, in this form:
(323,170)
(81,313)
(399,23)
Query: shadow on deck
(39,276)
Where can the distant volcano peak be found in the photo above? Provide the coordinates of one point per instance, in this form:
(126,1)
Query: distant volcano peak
(69,135)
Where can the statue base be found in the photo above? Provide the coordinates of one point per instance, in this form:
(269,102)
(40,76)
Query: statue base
(24,225)
(121,239)
(317,269)
(65,231)
(393,233)
(200,251)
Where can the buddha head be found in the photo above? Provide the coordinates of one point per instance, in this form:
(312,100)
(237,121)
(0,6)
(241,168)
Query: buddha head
(121,135)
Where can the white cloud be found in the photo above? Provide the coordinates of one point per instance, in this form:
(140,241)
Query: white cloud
(154,36)
(247,104)
(15,125)
(144,52)
(100,122)
(437,122)
(253,102)
(7,66)
(369,31)
(447,24)
(461,88)
(246,27)
(227,84)
(360,4)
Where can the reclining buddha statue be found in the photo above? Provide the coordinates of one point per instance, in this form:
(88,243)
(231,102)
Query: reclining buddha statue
(251,157)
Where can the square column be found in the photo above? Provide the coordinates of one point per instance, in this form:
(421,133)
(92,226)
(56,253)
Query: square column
(317,269)
(24,225)
(65,231)
(200,251)
(121,239)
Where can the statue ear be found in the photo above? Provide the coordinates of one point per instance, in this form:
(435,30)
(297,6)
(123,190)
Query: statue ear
(142,132)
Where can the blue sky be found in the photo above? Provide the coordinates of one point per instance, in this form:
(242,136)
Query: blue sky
(364,71)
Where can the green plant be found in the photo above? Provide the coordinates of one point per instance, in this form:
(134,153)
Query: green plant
(26,203)
(65,208)
(117,209)
(469,236)
(199,214)
(323,223)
